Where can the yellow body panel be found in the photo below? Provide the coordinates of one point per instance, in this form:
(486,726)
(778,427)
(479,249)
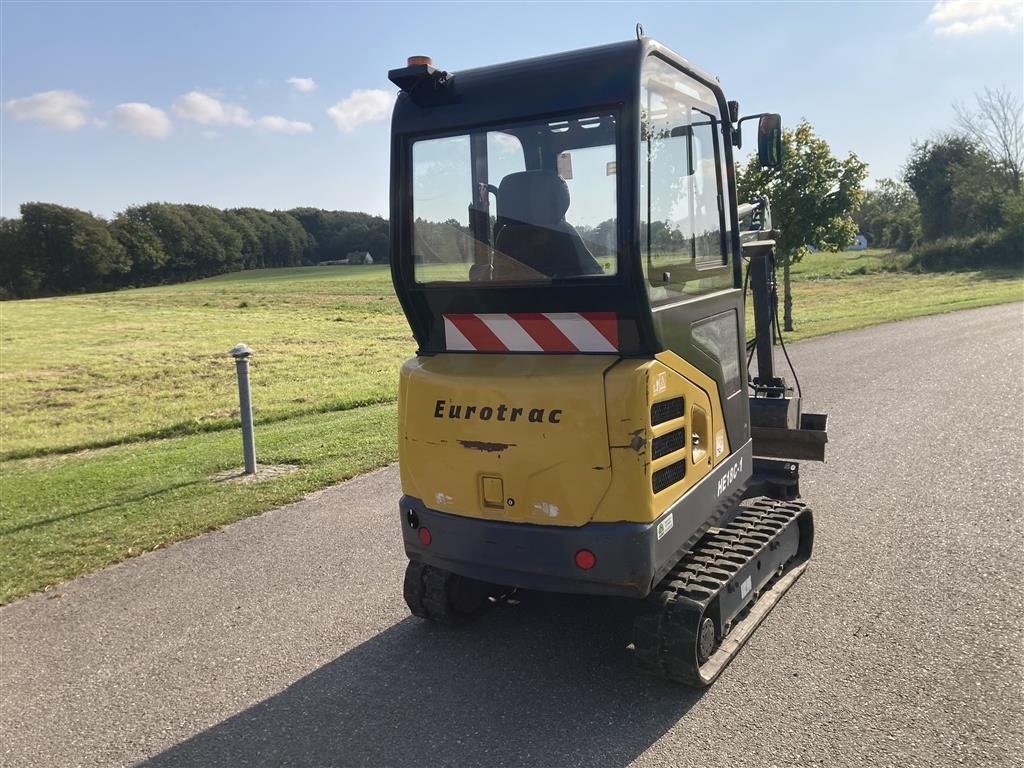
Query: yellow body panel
(631,389)
(548,449)
(719,449)
(553,439)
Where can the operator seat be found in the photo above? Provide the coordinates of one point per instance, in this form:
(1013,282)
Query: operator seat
(531,230)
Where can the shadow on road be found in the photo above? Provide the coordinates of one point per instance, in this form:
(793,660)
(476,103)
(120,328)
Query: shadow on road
(545,682)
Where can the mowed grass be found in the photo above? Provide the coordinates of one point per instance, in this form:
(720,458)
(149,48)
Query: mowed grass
(64,515)
(95,370)
(119,409)
(835,292)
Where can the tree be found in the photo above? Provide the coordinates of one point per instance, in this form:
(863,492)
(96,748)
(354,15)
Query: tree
(813,197)
(888,215)
(143,248)
(997,126)
(960,188)
(219,246)
(20,276)
(335,234)
(292,245)
(175,231)
(70,250)
(247,228)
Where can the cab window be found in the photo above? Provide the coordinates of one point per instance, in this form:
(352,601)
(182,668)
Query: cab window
(683,227)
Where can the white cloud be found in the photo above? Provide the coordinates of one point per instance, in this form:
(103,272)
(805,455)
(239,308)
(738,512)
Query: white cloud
(279,124)
(141,118)
(206,110)
(956,18)
(302,84)
(506,142)
(57,109)
(361,107)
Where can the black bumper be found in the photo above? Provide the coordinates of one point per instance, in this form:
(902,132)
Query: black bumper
(630,556)
(534,556)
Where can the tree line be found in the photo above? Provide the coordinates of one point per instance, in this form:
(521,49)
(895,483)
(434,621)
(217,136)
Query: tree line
(53,249)
(960,190)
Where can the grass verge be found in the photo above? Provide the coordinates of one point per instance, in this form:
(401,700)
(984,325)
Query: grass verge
(831,305)
(65,515)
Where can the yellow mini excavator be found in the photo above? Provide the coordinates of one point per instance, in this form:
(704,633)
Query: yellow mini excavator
(568,248)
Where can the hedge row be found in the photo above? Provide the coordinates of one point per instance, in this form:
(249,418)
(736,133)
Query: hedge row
(1003,248)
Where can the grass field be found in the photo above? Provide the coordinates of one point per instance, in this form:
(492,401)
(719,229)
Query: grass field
(118,409)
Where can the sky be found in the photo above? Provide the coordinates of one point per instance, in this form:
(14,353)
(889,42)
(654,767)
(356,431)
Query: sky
(108,105)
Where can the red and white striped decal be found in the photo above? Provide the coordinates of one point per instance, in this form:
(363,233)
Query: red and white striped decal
(533,332)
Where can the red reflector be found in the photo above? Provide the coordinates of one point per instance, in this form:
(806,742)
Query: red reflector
(425,537)
(585,559)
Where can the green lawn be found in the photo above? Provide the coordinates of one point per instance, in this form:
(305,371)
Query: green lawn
(99,369)
(118,408)
(842,291)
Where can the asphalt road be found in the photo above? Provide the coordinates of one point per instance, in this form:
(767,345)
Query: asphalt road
(283,639)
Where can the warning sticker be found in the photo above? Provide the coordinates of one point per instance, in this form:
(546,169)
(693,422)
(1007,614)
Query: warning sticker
(660,383)
(665,526)
(745,587)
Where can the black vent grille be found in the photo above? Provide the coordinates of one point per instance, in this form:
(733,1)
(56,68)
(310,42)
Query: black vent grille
(668,443)
(666,410)
(667,476)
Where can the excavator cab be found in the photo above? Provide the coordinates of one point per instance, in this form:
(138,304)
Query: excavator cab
(567,246)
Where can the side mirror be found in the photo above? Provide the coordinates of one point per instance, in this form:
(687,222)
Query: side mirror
(769,141)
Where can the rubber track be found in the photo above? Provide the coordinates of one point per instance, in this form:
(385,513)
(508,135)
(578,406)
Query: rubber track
(426,592)
(440,595)
(665,631)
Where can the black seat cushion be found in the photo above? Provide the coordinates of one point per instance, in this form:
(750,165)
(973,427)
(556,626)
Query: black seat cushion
(531,228)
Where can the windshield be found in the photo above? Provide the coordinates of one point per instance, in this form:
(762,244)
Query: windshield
(527,202)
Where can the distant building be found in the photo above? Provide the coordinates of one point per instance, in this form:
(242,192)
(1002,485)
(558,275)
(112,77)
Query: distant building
(859,243)
(356,257)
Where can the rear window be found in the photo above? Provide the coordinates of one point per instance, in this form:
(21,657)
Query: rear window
(529,202)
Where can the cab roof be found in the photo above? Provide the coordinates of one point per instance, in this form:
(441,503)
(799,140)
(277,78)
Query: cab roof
(604,75)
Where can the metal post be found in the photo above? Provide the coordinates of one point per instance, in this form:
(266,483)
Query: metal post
(241,354)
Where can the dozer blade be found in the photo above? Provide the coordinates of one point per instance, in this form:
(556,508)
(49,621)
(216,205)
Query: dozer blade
(806,443)
(700,615)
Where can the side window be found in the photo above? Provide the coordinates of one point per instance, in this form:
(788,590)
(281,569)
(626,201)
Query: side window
(684,235)
(707,210)
(441,182)
(718,337)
